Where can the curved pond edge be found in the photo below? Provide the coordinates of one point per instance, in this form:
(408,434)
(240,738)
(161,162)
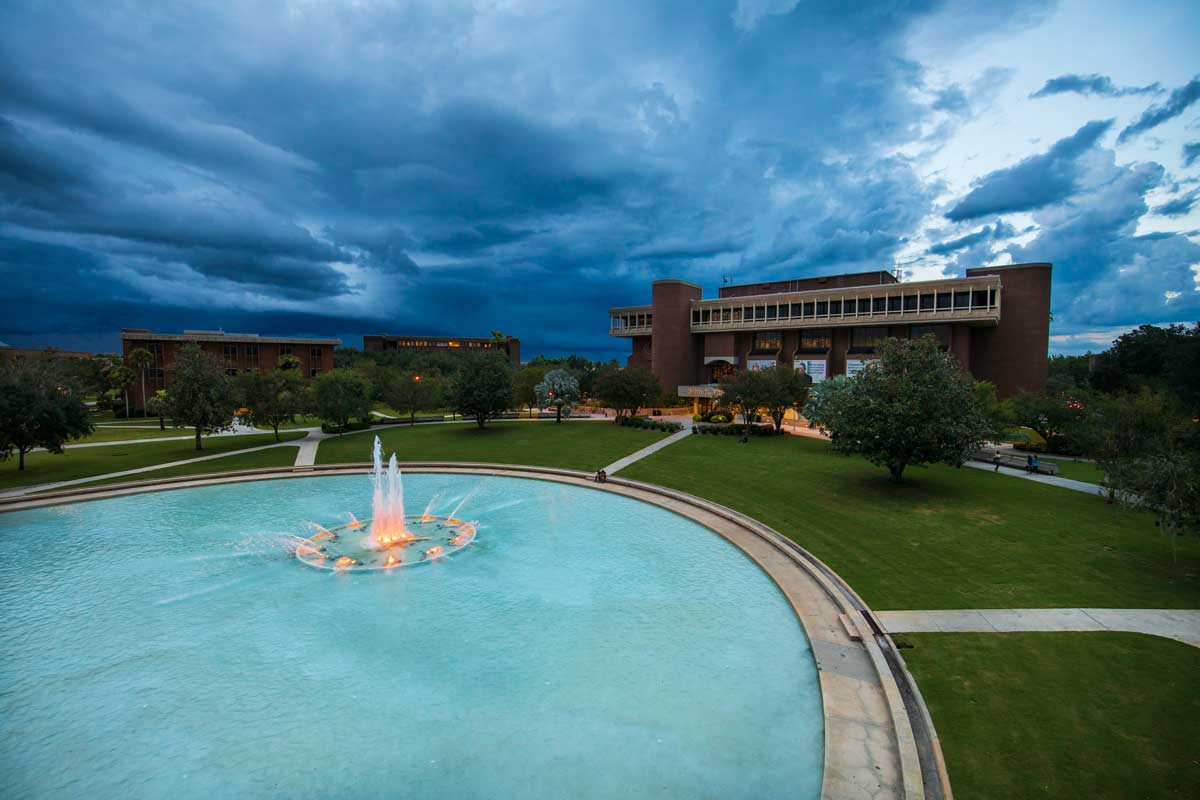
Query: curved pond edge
(879,738)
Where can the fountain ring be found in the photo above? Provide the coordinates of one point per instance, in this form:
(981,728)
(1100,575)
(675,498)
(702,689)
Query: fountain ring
(353,547)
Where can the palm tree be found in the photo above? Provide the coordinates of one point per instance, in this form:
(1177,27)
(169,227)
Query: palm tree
(140,359)
(120,377)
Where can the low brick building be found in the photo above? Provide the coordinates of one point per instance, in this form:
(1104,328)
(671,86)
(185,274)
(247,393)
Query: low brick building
(995,321)
(237,352)
(383,342)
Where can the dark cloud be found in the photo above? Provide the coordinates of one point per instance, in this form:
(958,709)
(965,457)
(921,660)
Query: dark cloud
(1191,152)
(1157,114)
(1180,205)
(999,231)
(1035,182)
(1091,85)
(451,167)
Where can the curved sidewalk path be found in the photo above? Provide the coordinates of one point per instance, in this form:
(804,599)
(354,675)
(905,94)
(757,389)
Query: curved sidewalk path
(1050,480)
(1180,624)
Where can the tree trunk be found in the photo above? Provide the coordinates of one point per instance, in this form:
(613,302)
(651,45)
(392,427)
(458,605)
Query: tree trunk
(198,446)
(897,471)
(21,466)
(276,431)
(162,423)
(127,403)
(558,413)
(143,393)
(480,419)
(412,418)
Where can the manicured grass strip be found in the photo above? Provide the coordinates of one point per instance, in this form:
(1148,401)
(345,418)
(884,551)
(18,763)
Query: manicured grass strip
(1040,715)
(282,456)
(1085,471)
(84,462)
(568,445)
(944,538)
(117,433)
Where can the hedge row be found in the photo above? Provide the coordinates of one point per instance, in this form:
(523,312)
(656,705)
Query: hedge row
(650,424)
(736,430)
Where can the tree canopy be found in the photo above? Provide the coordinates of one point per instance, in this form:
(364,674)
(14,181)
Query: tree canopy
(482,389)
(37,408)
(272,397)
(745,392)
(409,392)
(627,390)
(558,388)
(914,405)
(525,383)
(784,389)
(202,395)
(341,395)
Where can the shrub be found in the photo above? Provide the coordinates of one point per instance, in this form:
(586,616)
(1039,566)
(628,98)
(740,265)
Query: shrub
(358,425)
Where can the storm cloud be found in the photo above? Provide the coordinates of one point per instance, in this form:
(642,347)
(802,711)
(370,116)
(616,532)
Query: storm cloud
(458,167)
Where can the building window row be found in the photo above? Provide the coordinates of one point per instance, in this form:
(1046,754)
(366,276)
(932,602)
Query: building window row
(957,300)
(624,321)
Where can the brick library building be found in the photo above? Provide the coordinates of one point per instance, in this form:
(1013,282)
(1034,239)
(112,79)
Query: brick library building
(995,321)
(237,352)
(383,343)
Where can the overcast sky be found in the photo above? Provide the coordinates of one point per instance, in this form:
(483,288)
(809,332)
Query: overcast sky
(442,167)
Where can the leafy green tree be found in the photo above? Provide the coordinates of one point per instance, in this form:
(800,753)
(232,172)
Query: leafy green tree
(627,390)
(159,405)
(141,360)
(915,405)
(745,392)
(525,383)
(1067,376)
(37,409)
(1166,483)
(288,361)
(997,415)
(820,399)
(120,378)
(410,392)
(273,397)
(341,395)
(1121,430)
(559,388)
(202,395)
(482,389)
(784,389)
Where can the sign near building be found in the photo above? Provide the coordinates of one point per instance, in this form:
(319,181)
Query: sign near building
(755,364)
(703,390)
(857,365)
(814,369)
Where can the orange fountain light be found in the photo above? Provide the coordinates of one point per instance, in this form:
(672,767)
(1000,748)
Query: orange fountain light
(434,551)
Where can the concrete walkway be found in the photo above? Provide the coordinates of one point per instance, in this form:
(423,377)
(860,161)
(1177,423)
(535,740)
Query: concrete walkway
(622,463)
(1181,625)
(306,454)
(1049,480)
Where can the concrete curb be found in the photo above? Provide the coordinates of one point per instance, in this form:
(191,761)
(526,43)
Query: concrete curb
(836,620)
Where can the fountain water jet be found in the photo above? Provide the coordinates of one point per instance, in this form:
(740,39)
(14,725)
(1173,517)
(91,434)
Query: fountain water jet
(391,530)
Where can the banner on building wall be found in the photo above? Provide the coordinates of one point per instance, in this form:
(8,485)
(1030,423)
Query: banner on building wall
(755,364)
(857,365)
(814,369)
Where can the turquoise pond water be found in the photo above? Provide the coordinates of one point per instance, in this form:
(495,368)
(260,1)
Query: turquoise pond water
(586,645)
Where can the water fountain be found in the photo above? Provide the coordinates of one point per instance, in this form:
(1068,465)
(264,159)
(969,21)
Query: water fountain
(395,539)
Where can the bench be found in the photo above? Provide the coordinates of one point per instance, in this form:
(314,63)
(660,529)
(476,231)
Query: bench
(1015,461)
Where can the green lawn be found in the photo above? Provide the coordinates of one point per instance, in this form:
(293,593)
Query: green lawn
(1043,715)
(282,456)
(300,422)
(945,538)
(569,445)
(83,462)
(1085,471)
(117,433)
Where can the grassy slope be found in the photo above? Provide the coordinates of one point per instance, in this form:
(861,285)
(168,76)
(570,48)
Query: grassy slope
(1040,715)
(118,433)
(85,461)
(1084,471)
(570,445)
(282,456)
(945,538)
